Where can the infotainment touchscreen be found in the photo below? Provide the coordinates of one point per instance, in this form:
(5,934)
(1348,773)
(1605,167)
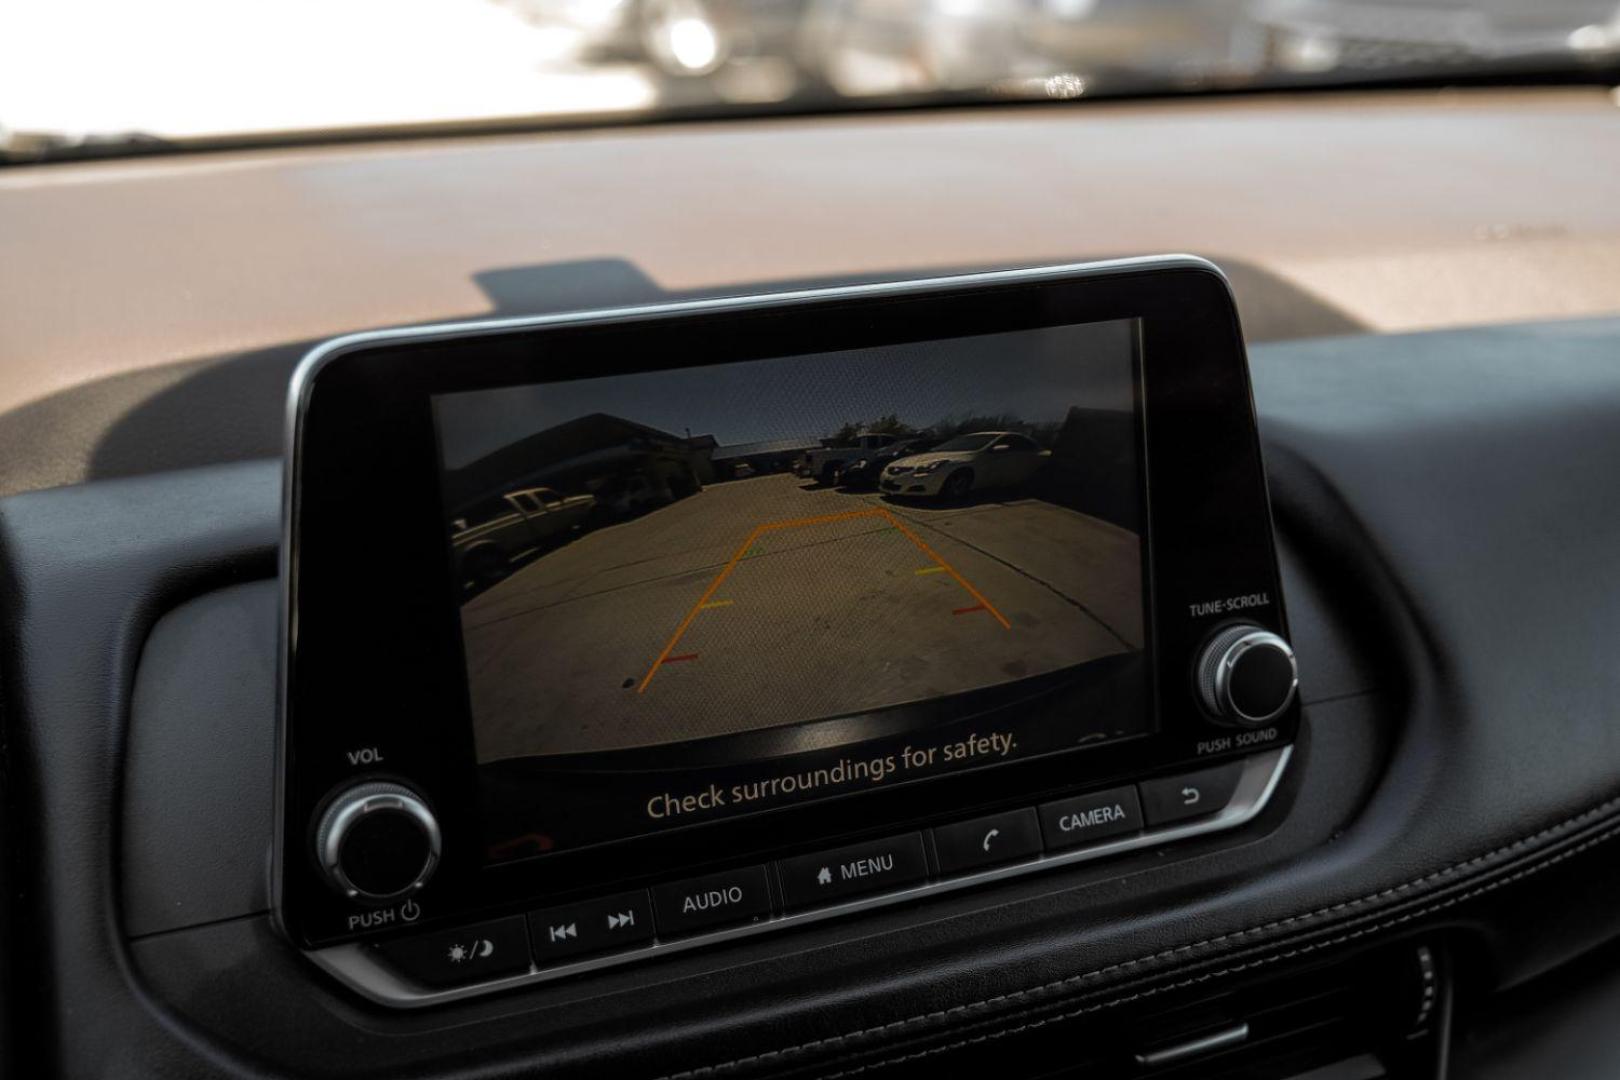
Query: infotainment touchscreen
(688,595)
(632,631)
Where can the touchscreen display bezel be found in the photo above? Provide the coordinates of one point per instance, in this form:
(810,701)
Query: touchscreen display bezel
(1100,691)
(374,682)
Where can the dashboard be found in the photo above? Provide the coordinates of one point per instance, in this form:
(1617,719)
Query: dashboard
(1426,432)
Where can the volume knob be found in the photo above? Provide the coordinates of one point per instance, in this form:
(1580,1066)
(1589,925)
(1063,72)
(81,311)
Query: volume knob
(377,842)
(1246,676)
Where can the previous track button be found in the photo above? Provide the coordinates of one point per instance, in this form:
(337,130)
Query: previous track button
(614,922)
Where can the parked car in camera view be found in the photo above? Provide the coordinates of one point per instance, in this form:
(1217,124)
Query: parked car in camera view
(968,463)
(867,471)
(825,463)
(630,496)
(489,534)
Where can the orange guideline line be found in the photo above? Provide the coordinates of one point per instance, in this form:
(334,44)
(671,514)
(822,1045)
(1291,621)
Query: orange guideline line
(824,519)
(949,569)
(732,565)
(704,599)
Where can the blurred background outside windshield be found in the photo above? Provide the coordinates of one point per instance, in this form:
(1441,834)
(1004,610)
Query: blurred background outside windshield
(95,73)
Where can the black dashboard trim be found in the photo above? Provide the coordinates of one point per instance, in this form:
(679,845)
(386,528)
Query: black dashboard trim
(90,569)
(1260,958)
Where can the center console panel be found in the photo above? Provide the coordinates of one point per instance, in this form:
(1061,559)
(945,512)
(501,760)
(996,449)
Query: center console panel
(998,594)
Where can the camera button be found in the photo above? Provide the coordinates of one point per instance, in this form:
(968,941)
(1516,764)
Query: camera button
(1090,818)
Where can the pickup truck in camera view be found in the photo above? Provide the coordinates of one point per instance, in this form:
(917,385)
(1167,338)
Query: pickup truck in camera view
(824,464)
(490,533)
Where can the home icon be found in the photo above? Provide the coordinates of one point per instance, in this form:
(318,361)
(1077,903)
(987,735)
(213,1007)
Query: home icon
(824,877)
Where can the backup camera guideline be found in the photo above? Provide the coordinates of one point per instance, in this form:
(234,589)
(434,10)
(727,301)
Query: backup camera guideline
(710,553)
(706,603)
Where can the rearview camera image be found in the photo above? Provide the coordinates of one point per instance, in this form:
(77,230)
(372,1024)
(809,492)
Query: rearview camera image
(795,555)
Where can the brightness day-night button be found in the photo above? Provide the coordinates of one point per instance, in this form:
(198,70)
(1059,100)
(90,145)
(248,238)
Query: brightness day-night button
(476,953)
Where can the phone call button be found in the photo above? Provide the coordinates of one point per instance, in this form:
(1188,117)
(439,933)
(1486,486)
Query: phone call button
(987,841)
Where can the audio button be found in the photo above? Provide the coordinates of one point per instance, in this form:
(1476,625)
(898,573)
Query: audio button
(732,896)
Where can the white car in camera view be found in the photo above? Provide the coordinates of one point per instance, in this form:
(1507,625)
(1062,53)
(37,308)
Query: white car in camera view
(965,464)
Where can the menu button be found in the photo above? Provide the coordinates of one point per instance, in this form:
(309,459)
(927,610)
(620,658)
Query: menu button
(874,866)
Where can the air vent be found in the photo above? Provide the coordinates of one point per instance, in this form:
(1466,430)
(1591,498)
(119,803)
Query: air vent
(1379,1014)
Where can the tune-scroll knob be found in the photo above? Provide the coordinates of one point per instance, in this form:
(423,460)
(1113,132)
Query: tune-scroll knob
(377,841)
(1246,676)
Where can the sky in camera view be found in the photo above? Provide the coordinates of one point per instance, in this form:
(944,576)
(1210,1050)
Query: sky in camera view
(1036,375)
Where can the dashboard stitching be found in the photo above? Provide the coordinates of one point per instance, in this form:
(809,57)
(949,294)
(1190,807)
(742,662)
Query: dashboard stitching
(1236,935)
(1234,968)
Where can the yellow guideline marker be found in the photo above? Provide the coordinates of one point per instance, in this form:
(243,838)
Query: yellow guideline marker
(930,570)
(715,603)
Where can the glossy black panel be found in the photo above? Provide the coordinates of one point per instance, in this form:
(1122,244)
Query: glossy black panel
(375,681)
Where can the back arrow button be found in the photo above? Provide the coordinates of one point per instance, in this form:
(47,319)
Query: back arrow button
(1177,798)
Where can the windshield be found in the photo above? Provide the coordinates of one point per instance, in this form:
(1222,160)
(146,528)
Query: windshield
(964,442)
(96,74)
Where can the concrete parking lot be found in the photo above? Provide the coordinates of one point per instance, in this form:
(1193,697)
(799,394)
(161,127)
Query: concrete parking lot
(772,601)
